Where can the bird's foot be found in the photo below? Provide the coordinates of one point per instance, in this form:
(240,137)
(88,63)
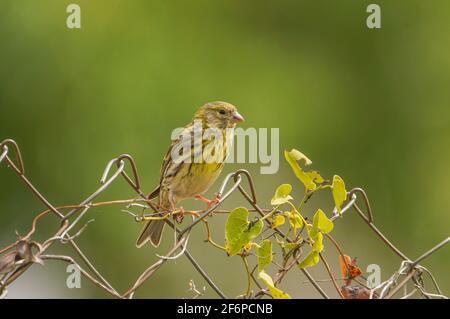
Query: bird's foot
(209,202)
(180,215)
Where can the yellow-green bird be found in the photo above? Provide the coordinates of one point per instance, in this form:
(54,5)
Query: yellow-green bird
(190,175)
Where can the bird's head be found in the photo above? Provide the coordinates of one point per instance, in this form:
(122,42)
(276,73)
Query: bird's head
(218,114)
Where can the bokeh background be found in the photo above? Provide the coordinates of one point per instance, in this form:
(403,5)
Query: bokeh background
(369,105)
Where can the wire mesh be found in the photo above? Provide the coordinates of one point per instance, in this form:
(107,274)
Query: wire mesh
(17,257)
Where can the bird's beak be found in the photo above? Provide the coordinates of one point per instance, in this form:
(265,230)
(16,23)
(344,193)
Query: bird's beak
(237,117)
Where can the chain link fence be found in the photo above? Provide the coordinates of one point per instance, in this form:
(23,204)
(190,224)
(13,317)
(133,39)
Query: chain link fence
(16,258)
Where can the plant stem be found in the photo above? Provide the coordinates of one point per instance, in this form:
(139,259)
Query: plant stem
(249,276)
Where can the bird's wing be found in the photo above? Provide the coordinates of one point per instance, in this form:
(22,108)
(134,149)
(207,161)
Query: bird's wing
(169,167)
(164,167)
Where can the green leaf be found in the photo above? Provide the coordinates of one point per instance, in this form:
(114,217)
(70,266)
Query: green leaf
(317,247)
(311,260)
(295,220)
(277,221)
(320,223)
(314,234)
(274,291)
(284,245)
(290,246)
(339,192)
(281,195)
(264,252)
(315,176)
(292,157)
(239,231)
(318,243)
(299,156)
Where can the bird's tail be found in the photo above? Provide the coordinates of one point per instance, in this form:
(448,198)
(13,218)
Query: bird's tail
(153,229)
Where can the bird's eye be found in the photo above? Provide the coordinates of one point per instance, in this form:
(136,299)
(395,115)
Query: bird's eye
(222,112)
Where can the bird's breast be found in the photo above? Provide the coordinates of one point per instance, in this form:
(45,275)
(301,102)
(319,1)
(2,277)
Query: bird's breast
(197,180)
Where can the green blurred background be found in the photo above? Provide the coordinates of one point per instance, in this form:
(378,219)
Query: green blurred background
(369,105)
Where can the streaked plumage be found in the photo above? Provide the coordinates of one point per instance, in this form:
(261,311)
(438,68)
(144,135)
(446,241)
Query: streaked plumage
(185,179)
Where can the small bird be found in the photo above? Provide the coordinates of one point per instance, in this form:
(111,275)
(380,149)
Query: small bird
(182,179)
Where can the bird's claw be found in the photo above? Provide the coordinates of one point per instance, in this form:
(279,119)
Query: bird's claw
(209,203)
(179,217)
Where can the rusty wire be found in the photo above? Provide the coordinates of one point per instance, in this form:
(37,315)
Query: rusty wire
(37,252)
